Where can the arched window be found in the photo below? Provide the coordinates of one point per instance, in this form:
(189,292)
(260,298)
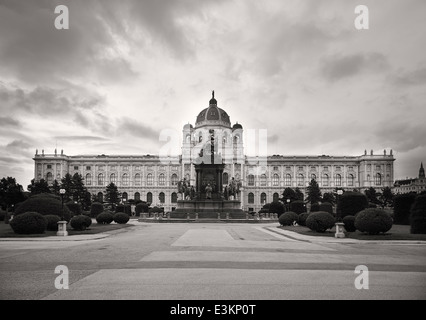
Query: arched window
(337,180)
(88,179)
(149,197)
(263,198)
(378,179)
(162,179)
(250,197)
(187,177)
(237,177)
(100,197)
(275,180)
(162,197)
(251,180)
(137,179)
(188,138)
(174,197)
(300,180)
(137,196)
(263,180)
(124,196)
(149,180)
(325,180)
(49,178)
(225,178)
(368,177)
(174,179)
(236,139)
(351,180)
(113,178)
(287,180)
(125,179)
(275,197)
(101,179)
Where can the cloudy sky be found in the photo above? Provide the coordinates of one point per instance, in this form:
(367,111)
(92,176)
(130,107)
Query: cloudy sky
(127,69)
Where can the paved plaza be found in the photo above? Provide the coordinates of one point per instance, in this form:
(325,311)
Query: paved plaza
(198,261)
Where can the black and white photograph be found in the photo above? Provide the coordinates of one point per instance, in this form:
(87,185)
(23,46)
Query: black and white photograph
(212,155)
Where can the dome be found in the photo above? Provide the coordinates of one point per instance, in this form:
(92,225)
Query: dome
(213,115)
(187,126)
(237,126)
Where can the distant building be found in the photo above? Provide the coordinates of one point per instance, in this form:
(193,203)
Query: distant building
(263,179)
(416,185)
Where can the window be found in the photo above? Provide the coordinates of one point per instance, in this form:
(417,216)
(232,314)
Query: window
(251,180)
(88,168)
(49,166)
(275,197)
(137,179)
(275,180)
(138,168)
(101,179)
(325,180)
(113,168)
(300,180)
(125,179)
(126,168)
(368,167)
(325,168)
(49,178)
(263,180)
(250,197)
(149,197)
(378,179)
(162,179)
(263,198)
(288,168)
(113,178)
(75,167)
(162,197)
(150,180)
(174,197)
(225,178)
(275,169)
(350,168)
(368,177)
(313,168)
(378,167)
(88,179)
(124,196)
(174,179)
(300,168)
(137,196)
(338,168)
(338,180)
(100,197)
(351,180)
(287,180)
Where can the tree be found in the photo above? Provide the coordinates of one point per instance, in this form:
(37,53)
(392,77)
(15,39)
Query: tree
(314,192)
(329,197)
(372,195)
(37,187)
(55,187)
(386,197)
(288,193)
(112,195)
(75,189)
(299,194)
(11,192)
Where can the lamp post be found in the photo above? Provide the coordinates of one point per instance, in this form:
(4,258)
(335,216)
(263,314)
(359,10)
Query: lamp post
(288,204)
(339,224)
(62,225)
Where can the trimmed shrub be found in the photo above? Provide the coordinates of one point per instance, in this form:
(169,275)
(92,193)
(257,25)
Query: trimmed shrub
(373,221)
(52,222)
(297,206)
(350,203)
(2,215)
(274,207)
(315,207)
(96,208)
(75,208)
(121,217)
(141,207)
(126,208)
(29,223)
(287,218)
(105,217)
(301,220)
(349,222)
(320,221)
(86,213)
(80,222)
(327,207)
(418,215)
(44,204)
(401,208)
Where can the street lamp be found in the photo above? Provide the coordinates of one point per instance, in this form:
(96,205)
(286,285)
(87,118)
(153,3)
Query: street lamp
(288,204)
(62,225)
(62,193)
(339,224)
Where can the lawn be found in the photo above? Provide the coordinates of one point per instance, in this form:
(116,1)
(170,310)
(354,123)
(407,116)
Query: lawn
(7,232)
(397,232)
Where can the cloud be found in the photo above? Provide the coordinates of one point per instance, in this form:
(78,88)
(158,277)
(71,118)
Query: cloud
(19,144)
(337,67)
(9,122)
(80,138)
(410,78)
(137,129)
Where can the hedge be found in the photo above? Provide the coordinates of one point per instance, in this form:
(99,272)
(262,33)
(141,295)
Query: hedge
(301,221)
(44,204)
(373,221)
(29,223)
(96,208)
(401,208)
(52,222)
(418,215)
(315,207)
(320,221)
(350,203)
(349,222)
(75,208)
(140,208)
(121,217)
(327,207)
(287,218)
(297,206)
(126,208)
(80,222)
(105,217)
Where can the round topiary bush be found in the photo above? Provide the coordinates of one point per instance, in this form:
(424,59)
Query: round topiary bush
(315,207)
(287,218)
(96,208)
(327,207)
(350,203)
(349,222)
(121,217)
(301,221)
(297,206)
(52,222)
(80,222)
(29,223)
(320,221)
(105,217)
(373,221)
(44,204)
(418,215)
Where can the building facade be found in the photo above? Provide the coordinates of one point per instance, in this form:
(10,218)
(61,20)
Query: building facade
(416,185)
(154,179)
